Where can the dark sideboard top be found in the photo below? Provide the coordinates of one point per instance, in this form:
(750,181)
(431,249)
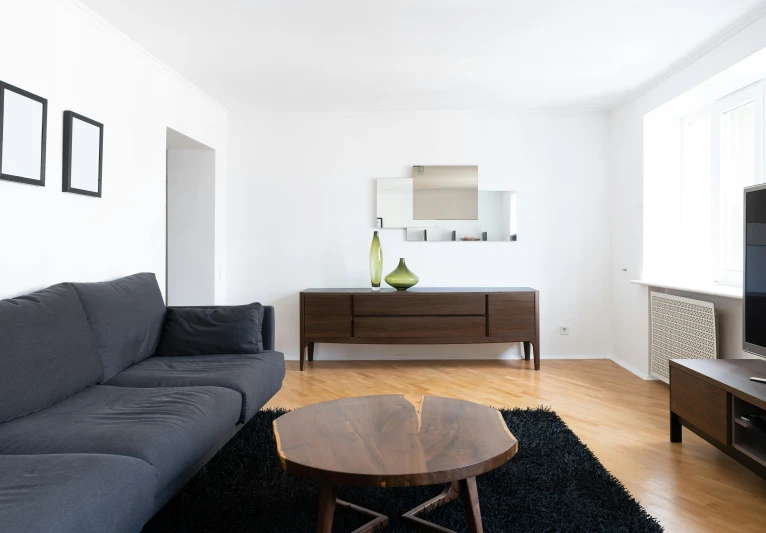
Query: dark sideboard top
(423,290)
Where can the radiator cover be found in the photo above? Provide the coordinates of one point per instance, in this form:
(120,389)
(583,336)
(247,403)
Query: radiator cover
(681,328)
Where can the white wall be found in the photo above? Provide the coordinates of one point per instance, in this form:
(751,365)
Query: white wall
(60,51)
(629,302)
(191,227)
(302,211)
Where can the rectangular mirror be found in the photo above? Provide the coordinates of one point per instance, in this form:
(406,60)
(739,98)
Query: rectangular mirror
(497,221)
(445,192)
(23,117)
(394,204)
(83,153)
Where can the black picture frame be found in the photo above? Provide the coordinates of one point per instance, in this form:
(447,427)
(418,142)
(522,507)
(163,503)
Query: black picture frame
(69,117)
(43,140)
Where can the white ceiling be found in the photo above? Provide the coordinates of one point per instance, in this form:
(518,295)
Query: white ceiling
(307,55)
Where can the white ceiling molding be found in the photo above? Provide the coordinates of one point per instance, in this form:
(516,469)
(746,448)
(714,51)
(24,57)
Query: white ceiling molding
(125,39)
(428,55)
(726,34)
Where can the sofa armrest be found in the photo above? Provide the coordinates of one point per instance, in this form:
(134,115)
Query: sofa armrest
(267,330)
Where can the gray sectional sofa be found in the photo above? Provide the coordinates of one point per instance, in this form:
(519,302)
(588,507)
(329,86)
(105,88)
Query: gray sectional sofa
(97,433)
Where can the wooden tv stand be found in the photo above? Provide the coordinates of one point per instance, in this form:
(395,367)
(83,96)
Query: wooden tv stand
(716,400)
(420,316)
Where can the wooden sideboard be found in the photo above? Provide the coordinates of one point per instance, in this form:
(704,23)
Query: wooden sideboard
(715,399)
(420,316)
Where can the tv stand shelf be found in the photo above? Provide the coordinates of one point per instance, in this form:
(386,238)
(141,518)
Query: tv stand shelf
(716,400)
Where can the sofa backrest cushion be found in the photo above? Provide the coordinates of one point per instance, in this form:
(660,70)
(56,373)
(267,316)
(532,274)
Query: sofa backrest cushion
(126,316)
(47,350)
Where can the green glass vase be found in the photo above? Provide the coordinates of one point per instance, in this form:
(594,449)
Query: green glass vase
(376,262)
(402,278)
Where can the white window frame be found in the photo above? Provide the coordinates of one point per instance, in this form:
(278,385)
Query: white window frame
(751,93)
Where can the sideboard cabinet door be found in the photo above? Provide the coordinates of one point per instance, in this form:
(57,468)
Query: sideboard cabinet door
(701,404)
(327,316)
(512,314)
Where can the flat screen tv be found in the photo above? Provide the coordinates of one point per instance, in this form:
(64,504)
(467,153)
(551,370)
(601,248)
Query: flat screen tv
(754,289)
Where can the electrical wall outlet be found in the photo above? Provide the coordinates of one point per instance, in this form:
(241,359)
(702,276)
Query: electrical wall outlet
(563,330)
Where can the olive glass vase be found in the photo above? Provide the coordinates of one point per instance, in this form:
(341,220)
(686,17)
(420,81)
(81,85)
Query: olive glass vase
(376,262)
(402,278)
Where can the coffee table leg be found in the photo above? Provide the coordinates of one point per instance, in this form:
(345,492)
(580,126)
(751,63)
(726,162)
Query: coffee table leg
(328,500)
(466,488)
(468,492)
(327,495)
(470,496)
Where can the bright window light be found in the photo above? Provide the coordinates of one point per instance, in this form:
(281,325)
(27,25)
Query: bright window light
(738,170)
(701,150)
(696,189)
(722,153)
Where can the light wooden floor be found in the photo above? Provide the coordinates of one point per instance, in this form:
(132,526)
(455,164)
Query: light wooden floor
(689,487)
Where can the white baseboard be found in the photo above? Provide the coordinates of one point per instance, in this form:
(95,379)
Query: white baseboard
(445,357)
(632,369)
(577,356)
(462,357)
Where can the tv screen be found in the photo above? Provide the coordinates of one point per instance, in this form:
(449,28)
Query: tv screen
(754,290)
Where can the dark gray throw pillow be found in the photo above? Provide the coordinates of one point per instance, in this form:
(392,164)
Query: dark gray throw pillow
(232,329)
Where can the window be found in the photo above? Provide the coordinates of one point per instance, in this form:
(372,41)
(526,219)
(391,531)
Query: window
(696,199)
(722,154)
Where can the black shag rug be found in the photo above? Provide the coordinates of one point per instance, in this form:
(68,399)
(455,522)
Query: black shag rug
(554,483)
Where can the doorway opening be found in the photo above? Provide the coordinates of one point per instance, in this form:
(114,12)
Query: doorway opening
(190,221)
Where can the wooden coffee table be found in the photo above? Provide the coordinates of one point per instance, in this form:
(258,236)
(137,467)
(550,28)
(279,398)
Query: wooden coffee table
(394,441)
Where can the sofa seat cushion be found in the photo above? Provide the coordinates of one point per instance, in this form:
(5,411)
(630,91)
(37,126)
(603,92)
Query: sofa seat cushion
(47,350)
(75,493)
(127,316)
(256,377)
(170,429)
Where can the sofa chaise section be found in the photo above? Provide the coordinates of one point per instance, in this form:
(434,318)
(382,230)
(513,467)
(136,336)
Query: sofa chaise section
(75,493)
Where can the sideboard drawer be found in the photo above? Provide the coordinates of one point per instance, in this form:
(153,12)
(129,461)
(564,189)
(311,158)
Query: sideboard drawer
(419,326)
(700,403)
(512,314)
(327,315)
(402,303)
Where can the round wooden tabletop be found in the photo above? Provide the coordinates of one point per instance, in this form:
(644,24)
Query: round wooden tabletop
(393,441)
